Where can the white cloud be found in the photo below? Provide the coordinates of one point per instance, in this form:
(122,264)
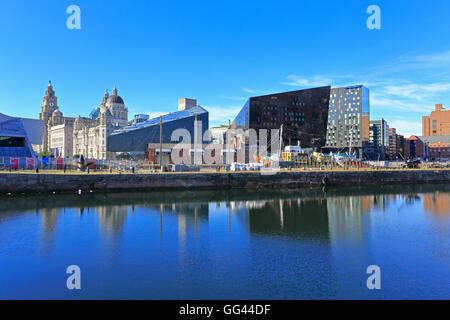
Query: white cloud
(436,87)
(237,98)
(417,91)
(221,114)
(301,81)
(249,90)
(259,92)
(391,104)
(439,58)
(407,128)
(156,114)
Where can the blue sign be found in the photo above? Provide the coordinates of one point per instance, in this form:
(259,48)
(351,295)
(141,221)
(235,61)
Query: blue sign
(45,160)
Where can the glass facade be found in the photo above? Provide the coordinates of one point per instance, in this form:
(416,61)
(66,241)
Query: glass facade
(302,114)
(348,119)
(12,142)
(242,120)
(379,139)
(16,136)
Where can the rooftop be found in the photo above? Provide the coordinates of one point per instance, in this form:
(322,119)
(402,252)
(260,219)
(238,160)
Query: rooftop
(165,118)
(434,139)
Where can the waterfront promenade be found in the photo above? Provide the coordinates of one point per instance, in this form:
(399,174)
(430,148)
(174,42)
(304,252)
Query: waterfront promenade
(72,182)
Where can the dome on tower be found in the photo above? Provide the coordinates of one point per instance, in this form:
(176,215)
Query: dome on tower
(115,98)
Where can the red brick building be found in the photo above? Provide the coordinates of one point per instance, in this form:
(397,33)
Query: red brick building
(428,147)
(396,145)
(439,150)
(414,148)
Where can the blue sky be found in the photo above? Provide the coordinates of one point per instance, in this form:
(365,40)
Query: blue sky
(223,52)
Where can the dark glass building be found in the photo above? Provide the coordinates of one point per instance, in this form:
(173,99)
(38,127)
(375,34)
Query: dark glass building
(302,113)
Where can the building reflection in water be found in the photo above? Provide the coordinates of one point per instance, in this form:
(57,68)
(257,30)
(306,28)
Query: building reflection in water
(112,219)
(49,219)
(349,215)
(188,215)
(345,216)
(437,203)
(295,217)
(335,218)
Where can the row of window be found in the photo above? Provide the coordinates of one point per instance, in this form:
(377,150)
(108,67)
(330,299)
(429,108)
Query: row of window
(438,150)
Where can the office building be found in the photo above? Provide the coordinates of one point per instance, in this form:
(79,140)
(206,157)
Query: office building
(396,145)
(437,123)
(379,139)
(348,120)
(301,114)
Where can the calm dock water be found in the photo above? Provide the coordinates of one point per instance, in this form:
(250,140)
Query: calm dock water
(274,244)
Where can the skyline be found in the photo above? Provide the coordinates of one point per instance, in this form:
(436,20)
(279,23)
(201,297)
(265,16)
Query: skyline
(224,53)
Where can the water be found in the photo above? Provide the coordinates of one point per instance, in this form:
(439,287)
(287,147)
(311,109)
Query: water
(283,244)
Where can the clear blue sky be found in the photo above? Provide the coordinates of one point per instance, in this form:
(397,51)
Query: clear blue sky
(222,52)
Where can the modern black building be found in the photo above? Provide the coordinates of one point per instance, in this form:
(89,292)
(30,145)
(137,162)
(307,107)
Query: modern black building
(303,114)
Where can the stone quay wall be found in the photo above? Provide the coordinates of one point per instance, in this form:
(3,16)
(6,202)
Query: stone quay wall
(41,182)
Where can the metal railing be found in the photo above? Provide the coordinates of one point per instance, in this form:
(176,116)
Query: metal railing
(43,163)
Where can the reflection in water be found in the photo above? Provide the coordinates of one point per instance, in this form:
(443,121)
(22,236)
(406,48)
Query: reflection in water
(345,216)
(112,219)
(294,217)
(323,216)
(305,243)
(329,217)
(49,218)
(437,203)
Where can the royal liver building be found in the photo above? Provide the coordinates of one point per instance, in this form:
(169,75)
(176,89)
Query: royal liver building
(66,137)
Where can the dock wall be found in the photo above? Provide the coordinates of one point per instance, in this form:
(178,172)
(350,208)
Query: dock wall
(27,182)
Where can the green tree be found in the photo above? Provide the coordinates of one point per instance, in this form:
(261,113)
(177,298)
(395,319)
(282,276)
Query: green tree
(124,156)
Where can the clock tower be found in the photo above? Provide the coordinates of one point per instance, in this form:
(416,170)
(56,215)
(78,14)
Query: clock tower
(49,105)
